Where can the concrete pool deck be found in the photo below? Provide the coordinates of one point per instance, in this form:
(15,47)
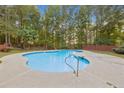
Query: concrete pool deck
(104,71)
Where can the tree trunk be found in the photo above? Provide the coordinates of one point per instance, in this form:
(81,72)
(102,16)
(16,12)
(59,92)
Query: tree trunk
(9,39)
(6,38)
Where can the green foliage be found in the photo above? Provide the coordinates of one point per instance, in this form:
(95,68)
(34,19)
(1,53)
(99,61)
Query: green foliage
(0,61)
(29,35)
(61,26)
(119,50)
(104,41)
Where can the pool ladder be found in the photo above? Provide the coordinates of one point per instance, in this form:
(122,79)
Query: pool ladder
(77,69)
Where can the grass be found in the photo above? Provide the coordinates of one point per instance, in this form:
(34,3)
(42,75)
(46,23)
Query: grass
(0,61)
(12,51)
(109,53)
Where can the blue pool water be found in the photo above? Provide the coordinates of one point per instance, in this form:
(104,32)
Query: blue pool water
(54,61)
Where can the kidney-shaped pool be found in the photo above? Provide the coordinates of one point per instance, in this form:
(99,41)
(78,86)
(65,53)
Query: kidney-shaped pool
(54,61)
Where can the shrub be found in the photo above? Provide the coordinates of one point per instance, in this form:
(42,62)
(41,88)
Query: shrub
(63,47)
(0,61)
(103,41)
(119,50)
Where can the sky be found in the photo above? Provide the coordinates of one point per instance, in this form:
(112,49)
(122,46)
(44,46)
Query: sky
(42,8)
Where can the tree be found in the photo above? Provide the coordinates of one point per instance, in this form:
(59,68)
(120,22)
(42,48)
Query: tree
(61,26)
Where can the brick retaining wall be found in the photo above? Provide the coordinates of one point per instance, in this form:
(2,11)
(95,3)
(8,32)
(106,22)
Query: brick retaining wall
(3,47)
(99,47)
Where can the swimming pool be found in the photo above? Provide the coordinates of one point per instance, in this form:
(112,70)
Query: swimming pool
(54,61)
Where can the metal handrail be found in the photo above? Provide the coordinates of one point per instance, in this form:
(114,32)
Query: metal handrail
(77,66)
(69,64)
(74,71)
